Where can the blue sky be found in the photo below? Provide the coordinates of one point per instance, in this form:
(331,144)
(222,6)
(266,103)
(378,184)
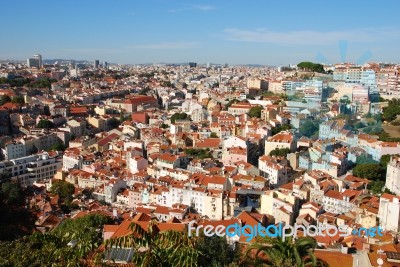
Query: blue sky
(234,32)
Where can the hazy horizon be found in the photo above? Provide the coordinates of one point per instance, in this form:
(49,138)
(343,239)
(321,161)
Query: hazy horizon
(155,31)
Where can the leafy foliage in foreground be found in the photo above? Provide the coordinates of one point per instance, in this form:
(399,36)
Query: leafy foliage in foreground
(286,253)
(15,220)
(215,252)
(67,245)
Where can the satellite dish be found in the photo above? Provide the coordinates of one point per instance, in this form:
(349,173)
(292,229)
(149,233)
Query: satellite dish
(379,261)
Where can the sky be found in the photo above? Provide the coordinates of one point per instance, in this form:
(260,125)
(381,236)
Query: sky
(234,32)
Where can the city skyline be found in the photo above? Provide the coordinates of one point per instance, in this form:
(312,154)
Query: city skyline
(218,32)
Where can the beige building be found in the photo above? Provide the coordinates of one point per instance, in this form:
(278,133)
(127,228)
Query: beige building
(100,122)
(281,205)
(256,83)
(215,205)
(280,140)
(239,108)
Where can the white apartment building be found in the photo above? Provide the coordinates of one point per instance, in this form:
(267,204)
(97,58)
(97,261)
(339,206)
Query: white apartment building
(207,202)
(340,202)
(393,175)
(389,212)
(72,161)
(112,188)
(275,169)
(30,169)
(14,150)
(137,164)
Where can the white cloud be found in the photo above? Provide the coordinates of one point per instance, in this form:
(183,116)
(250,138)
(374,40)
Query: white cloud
(310,37)
(193,7)
(204,7)
(165,45)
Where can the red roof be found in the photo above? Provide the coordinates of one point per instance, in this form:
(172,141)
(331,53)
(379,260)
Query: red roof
(136,100)
(107,139)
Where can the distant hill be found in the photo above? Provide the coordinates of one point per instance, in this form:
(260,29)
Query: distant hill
(73,61)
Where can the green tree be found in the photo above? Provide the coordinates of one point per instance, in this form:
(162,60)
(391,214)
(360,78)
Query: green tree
(309,128)
(376,187)
(15,220)
(199,153)
(63,189)
(113,123)
(215,251)
(12,194)
(369,171)
(286,253)
(309,66)
(392,110)
(5,176)
(70,244)
(255,112)
(214,135)
(365,160)
(164,126)
(18,99)
(155,248)
(280,128)
(4,99)
(58,147)
(45,124)
(179,116)
(43,82)
(280,152)
(385,160)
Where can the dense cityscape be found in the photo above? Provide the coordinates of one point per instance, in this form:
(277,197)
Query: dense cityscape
(166,145)
(200,134)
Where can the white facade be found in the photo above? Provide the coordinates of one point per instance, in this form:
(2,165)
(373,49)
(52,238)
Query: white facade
(275,172)
(112,188)
(14,150)
(72,161)
(389,213)
(393,175)
(234,141)
(137,164)
(338,203)
(30,169)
